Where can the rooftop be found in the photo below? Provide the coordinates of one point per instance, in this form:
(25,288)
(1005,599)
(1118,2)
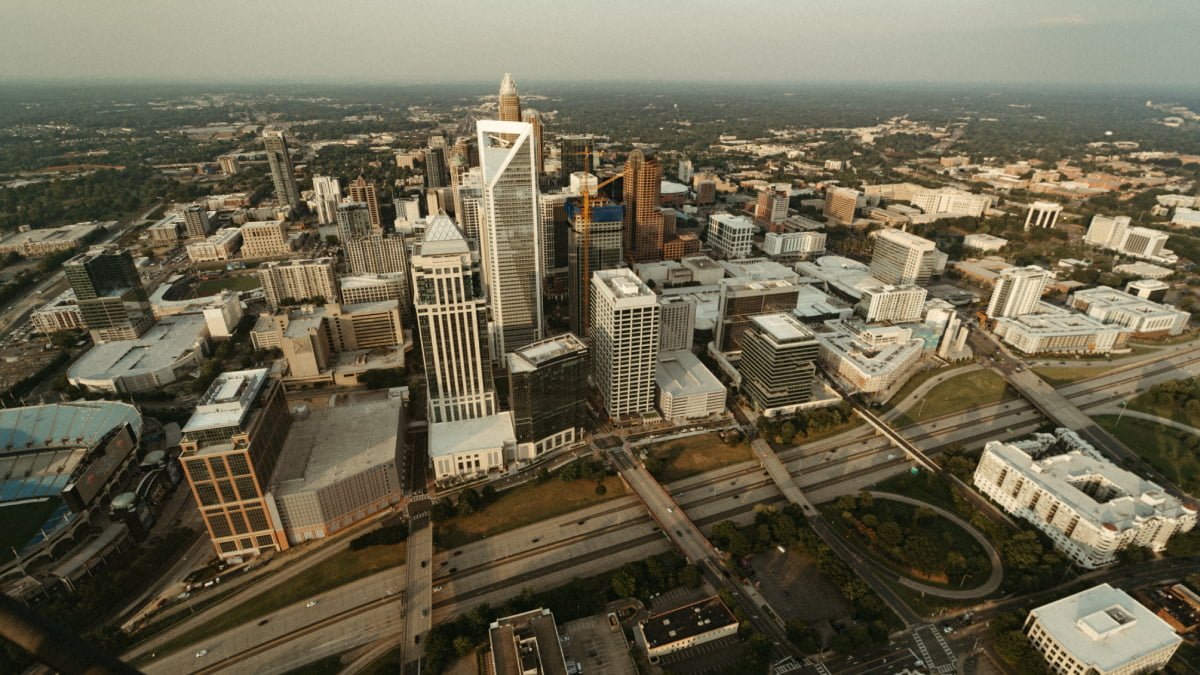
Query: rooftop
(448,438)
(527,643)
(332,444)
(907,239)
(228,400)
(758,269)
(535,354)
(169,340)
(1105,628)
(622,283)
(783,327)
(685,622)
(59,425)
(680,373)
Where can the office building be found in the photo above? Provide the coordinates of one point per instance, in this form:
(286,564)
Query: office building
(893,304)
(624,342)
(686,170)
(230,165)
(408,211)
(1042,214)
(166,232)
(778,362)
(331,344)
(283,175)
(1149,289)
(706,191)
(353,221)
(1114,233)
(688,626)
(467,449)
(678,322)
(643,238)
(437,163)
(229,450)
(591,247)
(1144,318)
(61,313)
(547,392)
(794,245)
(730,236)
(950,203)
(363,192)
(451,311)
(294,281)
(840,204)
(327,194)
(1017,291)
(468,199)
(868,360)
(339,466)
(553,237)
(1089,507)
(378,254)
(1052,330)
(510,101)
(904,258)
(1101,631)
(534,119)
(265,239)
(984,243)
(221,245)
(195,222)
(527,644)
(112,302)
(772,206)
(686,389)
(511,237)
(740,301)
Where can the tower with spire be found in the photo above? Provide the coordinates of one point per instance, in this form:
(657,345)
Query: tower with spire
(510,102)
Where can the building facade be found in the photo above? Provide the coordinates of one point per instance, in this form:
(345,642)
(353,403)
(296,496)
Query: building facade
(112,302)
(778,362)
(904,258)
(643,234)
(327,193)
(293,281)
(840,204)
(895,304)
(283,175)
(624,342)
(547,392)
(1017,291)
(265,239)
(591,246)
(730,236)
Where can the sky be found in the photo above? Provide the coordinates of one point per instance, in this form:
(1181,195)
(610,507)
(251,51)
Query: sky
(1098,42)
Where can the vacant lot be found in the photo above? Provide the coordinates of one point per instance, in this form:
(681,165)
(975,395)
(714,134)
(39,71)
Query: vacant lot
(961,392)
(673,460)
(525,505)
(239,283)
(1172,452)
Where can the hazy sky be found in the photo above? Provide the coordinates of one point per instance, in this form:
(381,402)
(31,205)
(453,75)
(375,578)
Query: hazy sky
(410,41)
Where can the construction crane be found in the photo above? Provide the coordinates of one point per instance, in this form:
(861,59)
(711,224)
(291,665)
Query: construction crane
(586,214)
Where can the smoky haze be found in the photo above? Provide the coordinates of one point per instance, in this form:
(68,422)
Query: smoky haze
(1102,42)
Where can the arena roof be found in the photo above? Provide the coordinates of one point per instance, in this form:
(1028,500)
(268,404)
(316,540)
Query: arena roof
(62,425)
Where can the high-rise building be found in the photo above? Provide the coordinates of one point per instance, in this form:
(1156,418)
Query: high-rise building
(897,304)
(510,102)
(264,239)
(378,254)
(1115,234)
(451,311)
(554,221)
(643,240)
(353,221)
(469,211)
(706,192)
(112,302)
(293,281)
(437,164)
(511,237)
(577,153)
(686,171)
(730,236)
(904,258)
(364,192)
(1017,292)
(840,204)
(778,361)
(624,342)
(591,247)
(195,222)
(229,450)
(534,119)
(741,300)
(547,391)
(282,172)
(408,211)
(327,192)
(678,315)
(772,207)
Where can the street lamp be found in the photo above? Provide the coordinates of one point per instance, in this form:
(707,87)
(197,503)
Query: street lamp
(1124,405)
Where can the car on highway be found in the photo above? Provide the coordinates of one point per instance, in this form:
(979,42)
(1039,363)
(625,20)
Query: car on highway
(202,652)
(311,603)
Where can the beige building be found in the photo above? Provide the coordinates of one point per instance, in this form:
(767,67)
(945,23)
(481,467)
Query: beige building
(373,288)
(310,337)
(265,239)
(61,313)
(297,280)
(35,243)
(221,245)
(840,204)
(868,359)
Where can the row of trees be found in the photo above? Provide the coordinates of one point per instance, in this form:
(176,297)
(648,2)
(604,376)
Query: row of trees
(804,425)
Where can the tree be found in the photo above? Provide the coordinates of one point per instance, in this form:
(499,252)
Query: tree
(469,502)
(463,645)
(624,584)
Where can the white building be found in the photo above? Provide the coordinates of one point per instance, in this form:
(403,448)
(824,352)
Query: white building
(1145,270)
(1101,631)
(372,288)
(1143,317)
(1052,330)
(625,318)
(1115,234)
(222,245)
(297,280)
(511,236)
(327,193)
(1043,214)
(678,316)
(471,448)
(794,244)
(1018,291)
(868,360)
(897,304)
(984,242)
(950,202)
(730,236)
(1186,218)
(904,258)
(686,389)
(173,347)
(1089,507)
(61,313)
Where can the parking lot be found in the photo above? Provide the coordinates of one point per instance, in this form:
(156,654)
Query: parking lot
(597,647)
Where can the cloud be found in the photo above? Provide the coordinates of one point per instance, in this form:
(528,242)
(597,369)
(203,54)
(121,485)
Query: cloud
(1068,20)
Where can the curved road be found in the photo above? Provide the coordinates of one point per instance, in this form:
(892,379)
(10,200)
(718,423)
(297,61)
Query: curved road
(1116,410)
(987,588)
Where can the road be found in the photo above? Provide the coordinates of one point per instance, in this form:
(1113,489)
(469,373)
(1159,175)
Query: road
(418,585)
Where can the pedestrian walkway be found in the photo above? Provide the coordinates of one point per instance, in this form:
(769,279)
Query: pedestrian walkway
(1137,414)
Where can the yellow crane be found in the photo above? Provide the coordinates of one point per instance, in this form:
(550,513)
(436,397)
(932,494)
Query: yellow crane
(586,216)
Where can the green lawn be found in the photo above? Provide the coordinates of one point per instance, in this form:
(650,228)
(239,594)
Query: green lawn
(525,505)
(917,380)
(239,283)
(1165,407)
(693,455)
(337,570)
(1170,451)
(1057,376)
(968,390)
(21,523)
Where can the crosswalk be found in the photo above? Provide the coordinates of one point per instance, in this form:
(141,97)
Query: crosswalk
(934,650)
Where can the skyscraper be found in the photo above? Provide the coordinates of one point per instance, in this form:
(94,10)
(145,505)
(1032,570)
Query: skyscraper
(1018,291)
(112,302)
(511,236)
(534,118)
(601,252)
(574,152)
(624,342)
(777,365)
(904,258)
(643,240)
(451,314)
(327,192)
(282,173)
(296,280)
(840,204)
(363,191)
(510,102)
(772,207)
(437,166)
(468,198)
(377,253)
(548,391)
(195,222)
(353,221)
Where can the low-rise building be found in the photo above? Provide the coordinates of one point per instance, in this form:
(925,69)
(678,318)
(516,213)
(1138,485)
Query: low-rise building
(794,245)
(35,243)
(1144,270)
(171,348)
(1145,318)
(868,360)
(471,448)
(221,245)
(730,236)
(984,242)
(1052,330)
(686,389)
(526,644)
(689,626)
(1089,507)
(61,313)
(1150,289)
(1186,218)
(312,337)
(1101,631)
(167,231)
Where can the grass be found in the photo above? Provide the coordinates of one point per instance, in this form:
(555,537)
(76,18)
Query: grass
(968,390)
(525,505)
(693,455)
(239,283)
(1057,376)
(919,379)
(337,570)
(21,523)
(1165,410)
(1168,450)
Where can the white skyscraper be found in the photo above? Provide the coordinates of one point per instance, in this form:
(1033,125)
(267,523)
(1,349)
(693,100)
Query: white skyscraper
(327,193)
(904,258)
(451,314)
(624,341)
(511,234)
(1017,292)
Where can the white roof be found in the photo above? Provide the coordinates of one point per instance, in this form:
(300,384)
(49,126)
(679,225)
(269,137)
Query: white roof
(783,327)
(479,434)
(227,400)
(532,355)
(680,374)
(333,444)
(168,341)
(1105,628)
